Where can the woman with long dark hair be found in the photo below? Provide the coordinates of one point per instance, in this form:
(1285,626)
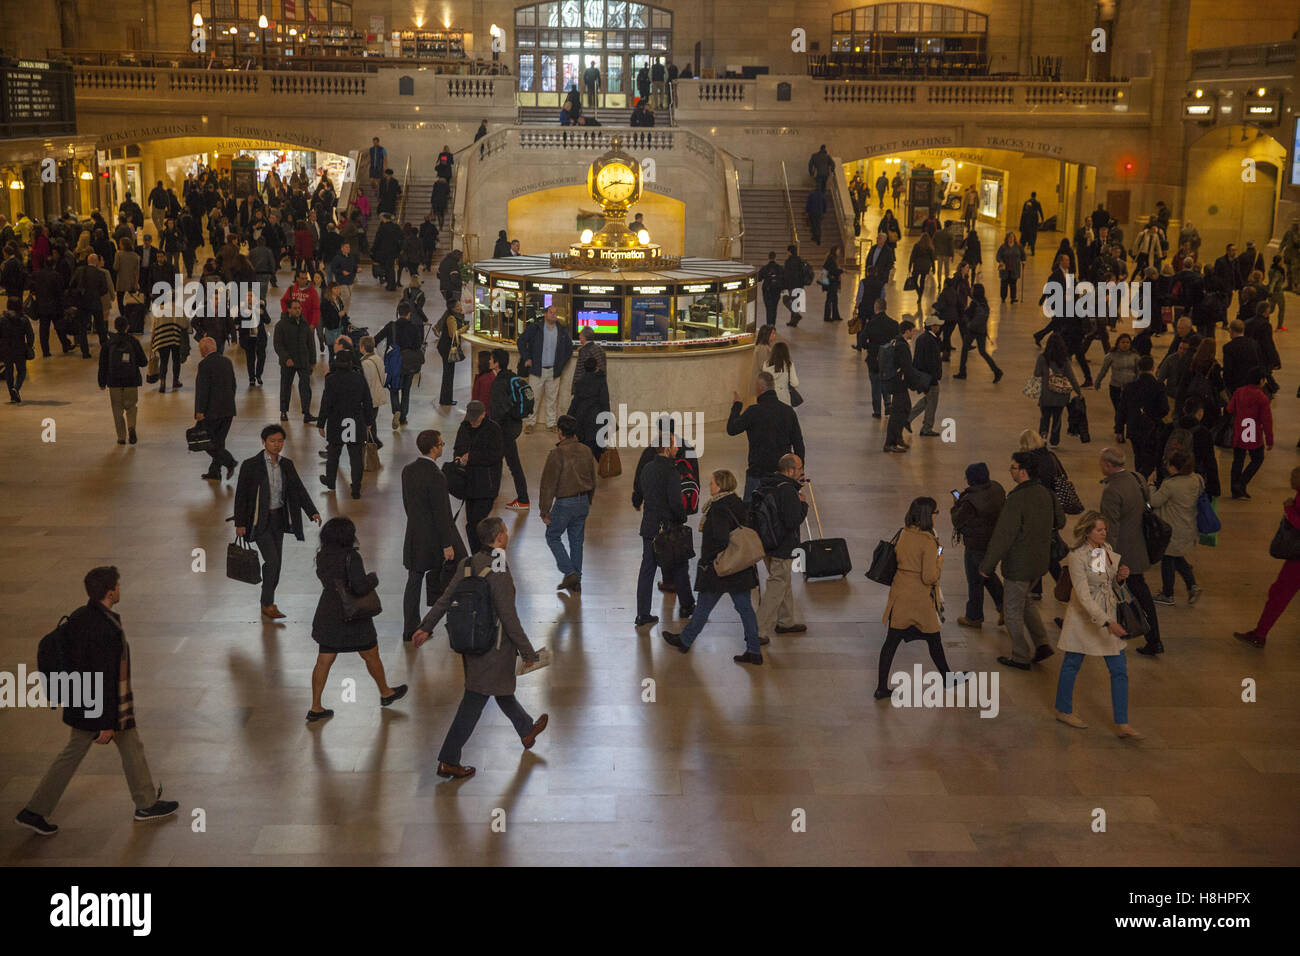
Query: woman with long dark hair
(781,368)
(1057,378)
(915,602)
(340,568)
(831,313)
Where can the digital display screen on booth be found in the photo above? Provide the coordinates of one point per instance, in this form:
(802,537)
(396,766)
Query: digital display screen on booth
(650,316)
(604,323)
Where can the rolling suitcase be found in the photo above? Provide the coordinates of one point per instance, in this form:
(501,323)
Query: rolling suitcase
(824,557)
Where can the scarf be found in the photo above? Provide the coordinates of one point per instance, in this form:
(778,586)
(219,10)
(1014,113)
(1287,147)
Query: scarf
(714,500)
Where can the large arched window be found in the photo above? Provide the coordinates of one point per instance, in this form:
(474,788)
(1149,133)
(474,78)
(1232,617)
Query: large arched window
(908,38)
(556,41)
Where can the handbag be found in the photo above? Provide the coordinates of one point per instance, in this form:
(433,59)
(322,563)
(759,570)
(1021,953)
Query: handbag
(151,373)
(1058,383)
(132,298)
(1128,614)
(795,398)
(673,546)
(1064,586)
(1156,532)
(198,437)
(855,325)
(1066,493)
(457,476)
(1059,550)
(371,452)
(1285,545)
(243,563)
(357,607)
(884,561)
(456,353)
(744,550)
(1207,522)
(909,284)
(1033,388)
(610,464)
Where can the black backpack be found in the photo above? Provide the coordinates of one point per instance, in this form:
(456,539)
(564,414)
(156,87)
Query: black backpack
(471,618)
(806,276)
(54,653)
(765,519)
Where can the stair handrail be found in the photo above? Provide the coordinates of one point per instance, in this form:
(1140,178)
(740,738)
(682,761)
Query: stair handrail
(789,206)
(406,183)
(842,199)
(348,188)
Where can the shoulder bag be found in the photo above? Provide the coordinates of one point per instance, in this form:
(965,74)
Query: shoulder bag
(610,464)
(357,607)
(1285,545)
(673,546)
(1034,387)
(1156,532)
(1064,586)
(1128,613)
(744,550)
(795,398)
(1065,491)
(884,561)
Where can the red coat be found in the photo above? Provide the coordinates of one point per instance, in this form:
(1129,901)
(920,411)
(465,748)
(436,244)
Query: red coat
(482,389)
(1250,403)
(310,303)
(304,246)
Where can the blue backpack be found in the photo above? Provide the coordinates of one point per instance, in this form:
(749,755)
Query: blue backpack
(393,364)
(521,397)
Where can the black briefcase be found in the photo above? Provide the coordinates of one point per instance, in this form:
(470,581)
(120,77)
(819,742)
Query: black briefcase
(673,546)
(198,438)
(824,557)
(243,562)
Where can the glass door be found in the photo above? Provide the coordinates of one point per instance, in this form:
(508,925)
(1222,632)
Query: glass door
(615,81)
(572,76)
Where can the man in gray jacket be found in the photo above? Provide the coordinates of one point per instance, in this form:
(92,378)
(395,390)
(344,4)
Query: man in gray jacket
(1022,542)
(491,674)
(1123,503)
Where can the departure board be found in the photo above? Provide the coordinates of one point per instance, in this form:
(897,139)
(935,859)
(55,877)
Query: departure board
(36,98)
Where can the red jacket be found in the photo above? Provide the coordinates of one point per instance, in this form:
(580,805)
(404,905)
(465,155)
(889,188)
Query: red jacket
(304,245)
(310,303)
(482,389)
(1249,403)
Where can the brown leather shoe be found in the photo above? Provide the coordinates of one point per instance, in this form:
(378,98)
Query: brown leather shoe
(273,612)
(538,727)
(450,770)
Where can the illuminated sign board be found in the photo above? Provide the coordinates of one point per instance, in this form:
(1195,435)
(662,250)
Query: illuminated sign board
(499,283)
(651,289)
(601,289)
(561,287)
(696,288)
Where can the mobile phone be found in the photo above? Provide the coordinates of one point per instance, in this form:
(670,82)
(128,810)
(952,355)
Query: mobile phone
(956,493)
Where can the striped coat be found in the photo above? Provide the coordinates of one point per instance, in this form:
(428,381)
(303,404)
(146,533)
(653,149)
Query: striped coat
(167,333)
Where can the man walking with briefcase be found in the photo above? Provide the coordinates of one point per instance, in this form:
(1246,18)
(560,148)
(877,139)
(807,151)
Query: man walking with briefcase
(214,406)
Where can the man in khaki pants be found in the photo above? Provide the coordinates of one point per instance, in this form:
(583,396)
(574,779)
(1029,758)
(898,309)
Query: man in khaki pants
(99,709)
(779,498)
(120,361)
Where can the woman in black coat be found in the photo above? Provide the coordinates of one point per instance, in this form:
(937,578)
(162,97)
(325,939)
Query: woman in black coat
(338,562)
(724,513)
(831,311)
(972,254)
(590,398)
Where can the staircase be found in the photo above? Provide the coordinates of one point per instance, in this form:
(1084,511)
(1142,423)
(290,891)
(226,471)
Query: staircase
(767,226)
(606,116)
(412,205)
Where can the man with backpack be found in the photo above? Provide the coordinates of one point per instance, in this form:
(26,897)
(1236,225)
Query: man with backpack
(796,274)
(484,629)
(657,494)
(568,487)
(878,332)
(511,401)
(89,648)
(777,510)
(771,278)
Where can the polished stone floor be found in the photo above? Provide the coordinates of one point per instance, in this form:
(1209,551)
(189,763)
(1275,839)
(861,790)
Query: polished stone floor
(715,768)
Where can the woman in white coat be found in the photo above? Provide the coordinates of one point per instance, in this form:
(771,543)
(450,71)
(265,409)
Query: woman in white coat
(372,367)
(782,370)
(1090,628)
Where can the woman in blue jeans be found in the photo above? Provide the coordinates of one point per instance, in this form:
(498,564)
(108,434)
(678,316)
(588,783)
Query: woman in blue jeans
(1090,627)
(724,513)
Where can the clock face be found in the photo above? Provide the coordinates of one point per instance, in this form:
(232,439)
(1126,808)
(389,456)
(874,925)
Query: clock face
(616,182)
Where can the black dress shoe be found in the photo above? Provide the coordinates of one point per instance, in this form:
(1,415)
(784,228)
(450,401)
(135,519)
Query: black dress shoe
(644,619)
(997,376)
(675,640)
(328,486)
(882,694)
(210,476)
(230,471)
(130,435)
(1152,648)
(796,629)
(1043,653)
(1008,662)
(748,658)
(960,375)
(356,495)
(875,414)
(398,693)
(315,715)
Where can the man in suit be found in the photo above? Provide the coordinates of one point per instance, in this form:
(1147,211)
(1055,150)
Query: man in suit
(479,447)
(1240,354)
(881,257)
(432,540)
(345,413)
(926,358)
(270,500)
(295,344)
(214,405)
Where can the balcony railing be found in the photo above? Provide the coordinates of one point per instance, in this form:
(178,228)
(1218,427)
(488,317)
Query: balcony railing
(251,58)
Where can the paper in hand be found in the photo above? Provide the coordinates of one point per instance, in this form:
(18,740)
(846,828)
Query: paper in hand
(544,660)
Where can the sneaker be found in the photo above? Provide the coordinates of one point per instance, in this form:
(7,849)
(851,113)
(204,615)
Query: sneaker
(1194,594)
(160,809)
(1166,599)
(36,823)
(518,505)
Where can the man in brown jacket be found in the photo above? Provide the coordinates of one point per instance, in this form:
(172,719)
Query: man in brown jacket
(491,674)
(568,486)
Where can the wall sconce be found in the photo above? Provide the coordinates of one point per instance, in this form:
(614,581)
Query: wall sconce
(494,30)
(293,31)
(262,22)
(233,30)
(198,19)
(85,174)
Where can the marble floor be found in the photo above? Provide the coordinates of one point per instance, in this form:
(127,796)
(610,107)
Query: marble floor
(716,769)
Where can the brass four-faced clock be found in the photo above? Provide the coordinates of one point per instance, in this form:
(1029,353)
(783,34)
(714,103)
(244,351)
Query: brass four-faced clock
(614,179)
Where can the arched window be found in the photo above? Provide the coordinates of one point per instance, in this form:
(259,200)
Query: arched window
(557,40)
(911,38)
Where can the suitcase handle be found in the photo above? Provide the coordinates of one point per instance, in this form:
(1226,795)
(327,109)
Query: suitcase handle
(813,499)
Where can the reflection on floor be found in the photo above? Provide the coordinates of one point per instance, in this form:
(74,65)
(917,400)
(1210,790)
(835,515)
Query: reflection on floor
(710,772)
